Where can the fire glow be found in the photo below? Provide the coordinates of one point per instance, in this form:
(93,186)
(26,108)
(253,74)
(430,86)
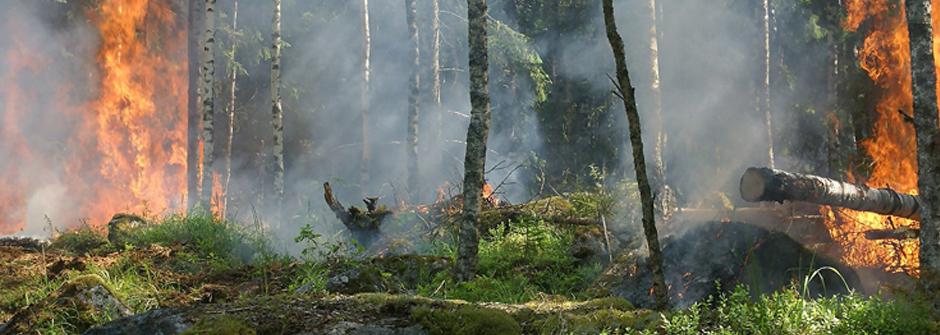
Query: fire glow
(885,56)
(126,148)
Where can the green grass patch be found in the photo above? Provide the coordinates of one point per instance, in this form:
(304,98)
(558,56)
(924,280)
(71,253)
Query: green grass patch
(787,312)
(220,244)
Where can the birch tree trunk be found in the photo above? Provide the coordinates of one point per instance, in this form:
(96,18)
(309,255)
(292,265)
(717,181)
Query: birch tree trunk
(208,105)
(477,134)
(765,93)
(364,96)
(928,140)
(436,77)
(659,135)
(411,13)
(277,114)
(626,93)
(196,16)
(232,120)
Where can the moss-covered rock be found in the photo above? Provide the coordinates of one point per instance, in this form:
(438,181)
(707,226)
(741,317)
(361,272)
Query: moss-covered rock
(120,226)
(220,325)
(465,320)
(357,279)
(82,302)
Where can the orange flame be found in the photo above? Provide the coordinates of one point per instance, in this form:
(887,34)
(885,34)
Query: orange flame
(885,56)
(122,151)
(141,111)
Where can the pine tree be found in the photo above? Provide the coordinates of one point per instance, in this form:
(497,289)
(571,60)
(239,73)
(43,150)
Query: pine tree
(626,93)
(477,134)
(411,13)
(928,140)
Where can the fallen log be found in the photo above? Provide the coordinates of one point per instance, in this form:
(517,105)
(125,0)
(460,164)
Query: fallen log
(765,184)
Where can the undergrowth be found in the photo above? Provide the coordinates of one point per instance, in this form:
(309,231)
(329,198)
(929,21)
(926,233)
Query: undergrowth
(526,261)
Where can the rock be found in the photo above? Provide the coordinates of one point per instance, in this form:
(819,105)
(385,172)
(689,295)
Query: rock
(86,300)
(120,224)
(714,254)
(357,280)
(168,321)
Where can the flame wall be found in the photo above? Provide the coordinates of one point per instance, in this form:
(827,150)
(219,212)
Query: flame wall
(885,56)
(81,141)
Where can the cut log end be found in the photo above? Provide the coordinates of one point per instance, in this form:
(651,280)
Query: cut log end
(753,184)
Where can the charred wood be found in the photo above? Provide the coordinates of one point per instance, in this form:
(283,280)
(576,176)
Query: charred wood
(364,224)
(893,234)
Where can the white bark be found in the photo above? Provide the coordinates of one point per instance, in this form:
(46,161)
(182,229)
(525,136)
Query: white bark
(277,114)
(208,105)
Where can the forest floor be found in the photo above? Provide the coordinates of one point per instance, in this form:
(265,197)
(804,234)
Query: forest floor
(195,275)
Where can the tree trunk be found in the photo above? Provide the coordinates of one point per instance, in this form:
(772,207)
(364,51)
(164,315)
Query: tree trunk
(436,78)
(765,93)
(364,96)
(411,13)
(626,93)
(928,134)
(196,16)
(277,114)
(477,134)
(765,184)
(232,120)
(659,134)
(208,105)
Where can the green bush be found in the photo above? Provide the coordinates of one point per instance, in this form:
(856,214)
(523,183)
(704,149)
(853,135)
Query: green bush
(786,312)
(80,241)
(220,243)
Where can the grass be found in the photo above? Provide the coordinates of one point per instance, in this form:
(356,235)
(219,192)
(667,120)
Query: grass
(786,312)
(518,262)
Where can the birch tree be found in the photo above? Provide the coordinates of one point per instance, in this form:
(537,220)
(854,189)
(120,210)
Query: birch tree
(232,119)
(411,13)
(436,75)
(277,114)
(364,95)
(928,140)
(208,104)
(626,93)
(193,133)
(765,86)
(477,134)
(659,136)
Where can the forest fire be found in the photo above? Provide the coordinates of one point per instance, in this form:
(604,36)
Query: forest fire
(125,149)
(885,56)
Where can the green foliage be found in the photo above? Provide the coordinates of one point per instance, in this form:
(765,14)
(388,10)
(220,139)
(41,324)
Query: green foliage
(512,50)
(79,241)
(787,312)
(520,262)
(220,243)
